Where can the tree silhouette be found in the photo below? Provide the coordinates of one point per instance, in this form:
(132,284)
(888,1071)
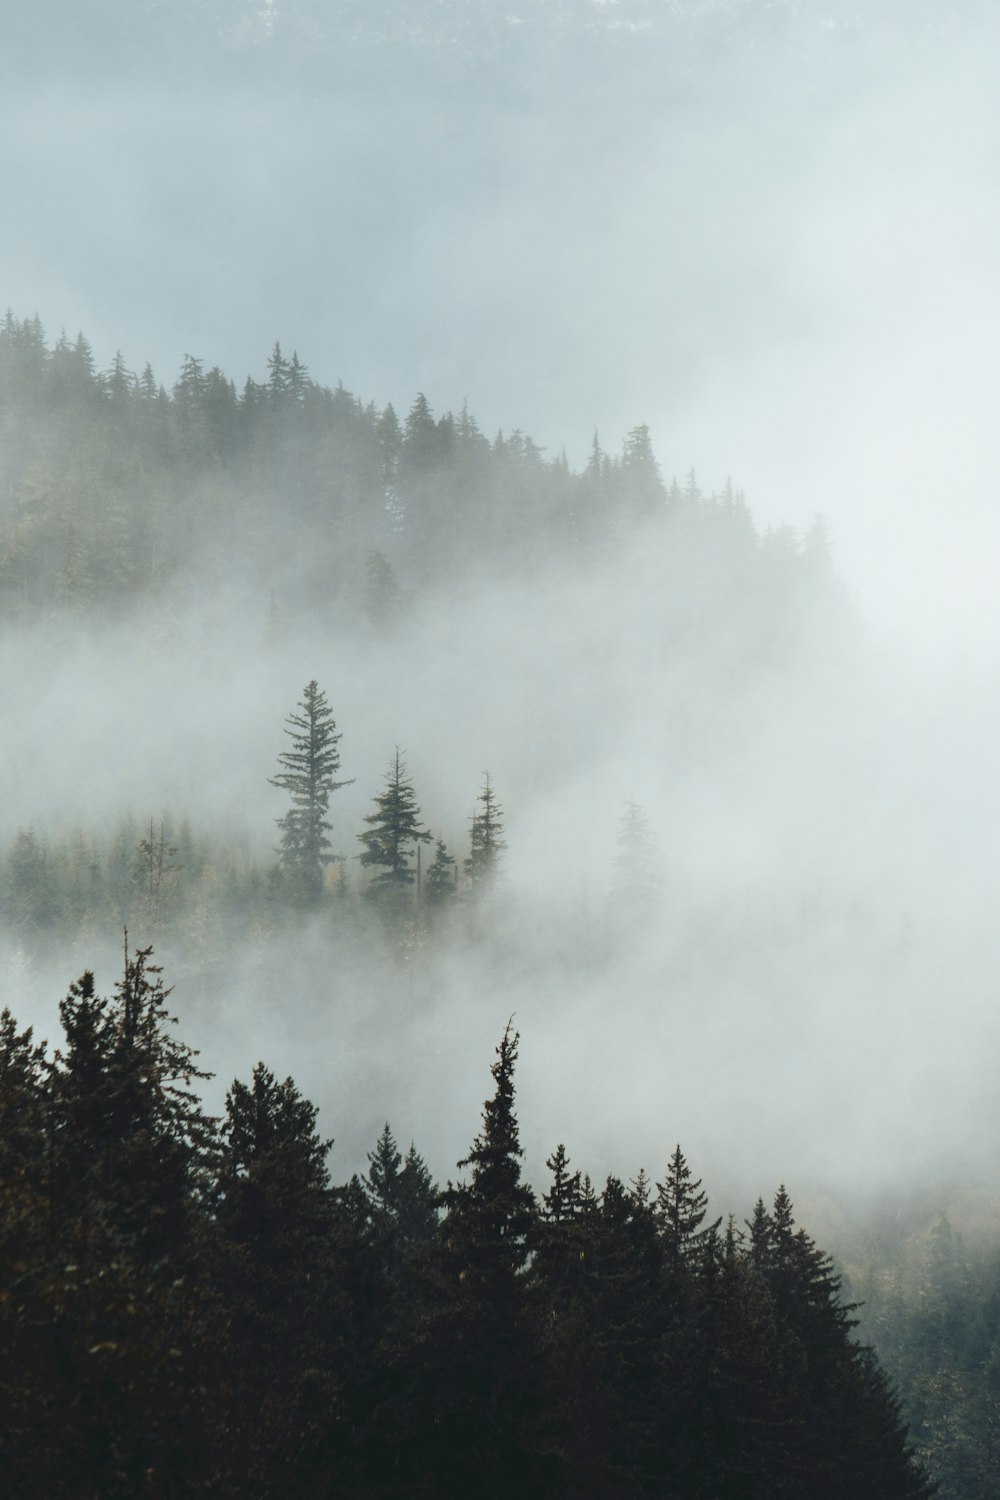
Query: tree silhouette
(393,831)
(308,773)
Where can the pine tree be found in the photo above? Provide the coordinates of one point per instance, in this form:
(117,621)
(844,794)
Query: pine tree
(636,882)
(107,1320)
(441,875)
(309,772)
(680,1211)
(486,1369)
(130,1140)
(393,831)
(403,1200)
(23,1108)
(382,593)
(486,841)
(644,492)
(280,1239)
(493,1214)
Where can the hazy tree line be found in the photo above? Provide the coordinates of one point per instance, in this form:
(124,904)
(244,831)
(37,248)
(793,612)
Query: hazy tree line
(159,876)
(931,1308)
(192,1306)
(113,488)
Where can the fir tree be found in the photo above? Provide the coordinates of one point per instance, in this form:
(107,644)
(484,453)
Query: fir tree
(486,841)
(680,1211)
(441,874)
(636,881)
(309,775)
(485,1356)
(383,598)
(394,830)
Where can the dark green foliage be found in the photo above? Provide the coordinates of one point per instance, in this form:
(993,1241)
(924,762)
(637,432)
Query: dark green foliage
(441,876)
(394,830)
(490,1217)
(129,1136)
(308,774)
(403,1196)
(481,1371)
(104,1319)
(185,1312)
(24,1106)
(277,1245)
(680,1212)
(486,841)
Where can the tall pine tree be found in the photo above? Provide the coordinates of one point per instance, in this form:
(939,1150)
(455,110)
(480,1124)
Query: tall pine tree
(308,773)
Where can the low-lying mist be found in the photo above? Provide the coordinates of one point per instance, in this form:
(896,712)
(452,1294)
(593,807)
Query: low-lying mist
(805,994)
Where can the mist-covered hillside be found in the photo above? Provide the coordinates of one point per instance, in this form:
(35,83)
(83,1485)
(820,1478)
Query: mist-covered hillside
(575,420)
(764,230)
(718,844)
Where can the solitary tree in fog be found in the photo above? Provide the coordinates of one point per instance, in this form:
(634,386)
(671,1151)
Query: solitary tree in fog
(636,877)
(383,598)
(308,773)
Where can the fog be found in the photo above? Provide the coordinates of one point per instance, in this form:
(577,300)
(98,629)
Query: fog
(768,231)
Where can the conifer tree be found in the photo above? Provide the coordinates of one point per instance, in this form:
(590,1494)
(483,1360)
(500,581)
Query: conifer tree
(636,881)
(394,830)
(492,1215)
(403,1199)
(308,773)
(485,1352)
(680,1211)
(23,1105)
(106,1319)
(383,599)
(486,840)
(440,886)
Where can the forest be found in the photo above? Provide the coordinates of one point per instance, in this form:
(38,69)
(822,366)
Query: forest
(184,1281)
(194,1308)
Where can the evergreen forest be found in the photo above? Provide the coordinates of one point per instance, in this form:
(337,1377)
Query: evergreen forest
(191,1306)
(331,705)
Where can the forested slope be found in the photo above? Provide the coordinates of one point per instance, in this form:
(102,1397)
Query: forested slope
(115,489)
(191,1306)
(531,619)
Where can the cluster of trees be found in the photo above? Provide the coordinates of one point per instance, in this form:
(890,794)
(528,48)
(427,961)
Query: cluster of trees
(394,833)
(160,876)
(112,488)
(192,1306)
(931,1308)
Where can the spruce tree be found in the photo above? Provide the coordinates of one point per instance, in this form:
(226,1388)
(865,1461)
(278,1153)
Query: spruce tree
(394,830)
(441,876)
(486,840)
(491,1216)
(283,1253)
(129,1133)
(680,1212)
(383,597)
(636,879)
(485,1354)
(308,773)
